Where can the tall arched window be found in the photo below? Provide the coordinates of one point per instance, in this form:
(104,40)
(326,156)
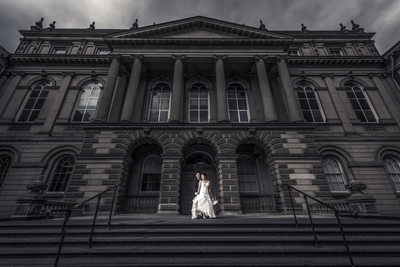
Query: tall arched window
(61,174)
(237,103)
(360,103)
(309,104)
(335,174)
(198,103)
(247,174)
(160,103)
(151,173)
(87,102)
(5,162)
(35,101)
(393,169)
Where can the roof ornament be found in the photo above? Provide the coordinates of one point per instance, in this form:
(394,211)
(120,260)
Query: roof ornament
(342,27)
(52,26)
(91,27)
(262,26)
(356,27)
(38,25)
(135,25)
(304,28)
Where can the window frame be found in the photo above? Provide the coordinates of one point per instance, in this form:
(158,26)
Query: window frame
(366,97)
(145,158)
(342,173)
(4,175)
(336,49)
(237,103)
(198,99)
(50,175)
(296,54)
(396,158)
(81,91)
(320,109)
(26,99)
(257,184)
(154,87)
(58,49)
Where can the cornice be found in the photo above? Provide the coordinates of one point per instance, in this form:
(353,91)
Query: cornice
(57,59)
(329,60)
(198,42)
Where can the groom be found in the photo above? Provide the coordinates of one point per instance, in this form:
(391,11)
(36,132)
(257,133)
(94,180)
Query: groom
(196,181)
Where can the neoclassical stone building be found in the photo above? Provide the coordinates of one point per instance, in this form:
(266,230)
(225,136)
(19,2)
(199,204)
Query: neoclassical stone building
(144,108)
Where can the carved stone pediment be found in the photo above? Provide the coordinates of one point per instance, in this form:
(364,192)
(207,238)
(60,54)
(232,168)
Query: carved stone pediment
(198,28)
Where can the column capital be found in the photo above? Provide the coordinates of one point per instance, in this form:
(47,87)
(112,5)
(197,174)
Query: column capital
(372,75)
(258,57)
(115,56)
(176,57)
(16,73)
(133,57)
(281,57)
(219,57)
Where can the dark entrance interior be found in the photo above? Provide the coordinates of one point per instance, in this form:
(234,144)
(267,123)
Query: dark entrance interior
(198,158)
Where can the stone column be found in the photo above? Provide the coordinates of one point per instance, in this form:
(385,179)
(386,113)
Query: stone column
(117,103)
(222,107)
(3,79)
(169,192)
(56,104)
(177,90)
(341,110)
(294,113)
(131,91)
(101,113)
(9,90)
(265,89)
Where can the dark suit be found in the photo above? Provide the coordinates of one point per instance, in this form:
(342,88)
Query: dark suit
(195,184)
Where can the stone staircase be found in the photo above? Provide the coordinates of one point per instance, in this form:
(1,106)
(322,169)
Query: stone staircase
(178,241)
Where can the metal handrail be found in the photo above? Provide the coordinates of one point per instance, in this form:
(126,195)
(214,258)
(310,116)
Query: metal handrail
(335,211)
(68,214)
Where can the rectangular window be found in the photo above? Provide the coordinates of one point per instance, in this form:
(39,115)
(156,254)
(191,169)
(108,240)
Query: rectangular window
(335,52)
(293,52)
(104,52)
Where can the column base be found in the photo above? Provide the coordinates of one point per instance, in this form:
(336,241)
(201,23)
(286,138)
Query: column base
(231,212)
(168,212)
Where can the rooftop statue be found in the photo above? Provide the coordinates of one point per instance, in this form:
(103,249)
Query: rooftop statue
(303,28)
(91,27)
(342,27)
(38,25)
(356,27)
(52,26)
(262,26)
(135,24)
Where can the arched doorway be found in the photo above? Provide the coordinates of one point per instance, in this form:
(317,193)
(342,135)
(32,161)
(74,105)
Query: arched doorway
(197,158)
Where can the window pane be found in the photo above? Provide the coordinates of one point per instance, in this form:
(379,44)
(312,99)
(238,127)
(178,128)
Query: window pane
(78,116)
(34,115)
(193,116)
(313,104)
(165,103)
(204,104)
(30,103)
(153,116)
(232,104)
(234,116)
(242,104)
(243,116)
(163,116)
(203,116)
(307,116)
(304,104)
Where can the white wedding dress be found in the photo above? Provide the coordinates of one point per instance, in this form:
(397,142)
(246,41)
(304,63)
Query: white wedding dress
(204,202)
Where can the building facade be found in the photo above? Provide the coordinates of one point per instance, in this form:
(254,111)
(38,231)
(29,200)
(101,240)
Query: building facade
(144,108)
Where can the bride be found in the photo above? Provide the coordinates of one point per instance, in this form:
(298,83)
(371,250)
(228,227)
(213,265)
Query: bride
(204,203)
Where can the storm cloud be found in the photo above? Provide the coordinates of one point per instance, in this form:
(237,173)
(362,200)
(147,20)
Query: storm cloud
(380,16)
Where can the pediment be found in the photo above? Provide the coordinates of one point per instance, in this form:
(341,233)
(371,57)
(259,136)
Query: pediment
(197,28)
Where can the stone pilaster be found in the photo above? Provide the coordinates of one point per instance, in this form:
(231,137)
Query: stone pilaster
(294,112)
(118,101)
(222,108)
(131,91)
(348,127)
(170,182)
(265,90)
(108,91)
(177,91)
(229,186)
(57,103)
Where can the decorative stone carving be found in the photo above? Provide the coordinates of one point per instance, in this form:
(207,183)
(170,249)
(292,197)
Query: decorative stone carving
(356,27)
(358,201)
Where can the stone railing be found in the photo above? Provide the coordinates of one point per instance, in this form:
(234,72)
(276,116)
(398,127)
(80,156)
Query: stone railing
(43,207)
(345,205)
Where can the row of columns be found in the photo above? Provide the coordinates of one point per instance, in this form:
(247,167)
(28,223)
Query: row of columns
(294,113)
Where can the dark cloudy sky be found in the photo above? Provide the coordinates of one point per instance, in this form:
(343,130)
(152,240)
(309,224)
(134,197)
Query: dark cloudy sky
(380,16)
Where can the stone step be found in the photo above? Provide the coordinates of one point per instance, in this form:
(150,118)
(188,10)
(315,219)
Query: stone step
(189,260)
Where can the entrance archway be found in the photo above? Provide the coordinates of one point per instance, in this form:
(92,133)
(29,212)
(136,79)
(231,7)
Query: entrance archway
(197,158)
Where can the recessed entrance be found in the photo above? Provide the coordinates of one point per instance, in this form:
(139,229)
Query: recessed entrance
(198,158)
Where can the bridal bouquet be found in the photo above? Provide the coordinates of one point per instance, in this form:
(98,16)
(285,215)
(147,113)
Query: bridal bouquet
(215,202)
